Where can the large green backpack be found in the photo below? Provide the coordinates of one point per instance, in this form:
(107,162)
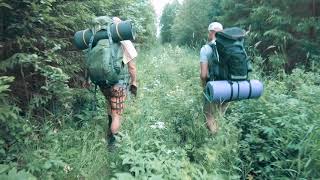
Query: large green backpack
(104,59)
(231,61)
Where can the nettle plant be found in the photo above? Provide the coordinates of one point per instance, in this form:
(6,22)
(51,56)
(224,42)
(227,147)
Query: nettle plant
(280,131)
(154,159)
(43,85)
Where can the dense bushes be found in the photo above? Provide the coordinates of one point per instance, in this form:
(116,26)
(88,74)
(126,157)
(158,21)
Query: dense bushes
(279,132)
(49,130)
(41,74)
(167,20)
(164,135)
(282,28)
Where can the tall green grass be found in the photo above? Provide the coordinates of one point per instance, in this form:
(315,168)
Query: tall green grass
(280,132)
(170,94)
(164,135)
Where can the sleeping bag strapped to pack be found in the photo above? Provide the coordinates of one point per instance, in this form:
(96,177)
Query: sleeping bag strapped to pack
(231,61)
(104,60)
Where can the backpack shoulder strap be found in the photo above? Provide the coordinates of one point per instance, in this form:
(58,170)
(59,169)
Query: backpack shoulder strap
(109,34)
(214,50)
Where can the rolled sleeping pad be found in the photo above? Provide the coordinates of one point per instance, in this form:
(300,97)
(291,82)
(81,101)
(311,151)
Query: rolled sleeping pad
(122,31)
(225,91)
(119,32)
(82,38)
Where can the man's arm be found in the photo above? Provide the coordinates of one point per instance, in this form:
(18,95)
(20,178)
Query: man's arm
(133,72)
(204,67)
(203,73)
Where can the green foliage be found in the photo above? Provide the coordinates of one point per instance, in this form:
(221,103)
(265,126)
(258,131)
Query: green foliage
(191,22)
(286,27)
(164,134)
(167,20)
(50,130)
(13,174)
(280,131)
(45,75)
(139,11)
(12,130)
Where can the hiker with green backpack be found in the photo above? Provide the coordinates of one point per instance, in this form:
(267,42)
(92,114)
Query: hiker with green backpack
(223,58)
(110,65)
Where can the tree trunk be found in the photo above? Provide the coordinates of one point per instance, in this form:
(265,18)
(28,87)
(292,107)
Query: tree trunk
(312,30)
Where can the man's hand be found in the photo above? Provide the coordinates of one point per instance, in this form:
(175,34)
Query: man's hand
(203,83)
(86,84)
(133,89)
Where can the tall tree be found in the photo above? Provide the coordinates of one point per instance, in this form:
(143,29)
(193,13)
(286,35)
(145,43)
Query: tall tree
(190,25)
(279,28)
(167,20)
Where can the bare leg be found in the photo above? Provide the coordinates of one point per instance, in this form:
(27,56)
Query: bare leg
(117,99)
(210,120)
(116,122)
(213,112)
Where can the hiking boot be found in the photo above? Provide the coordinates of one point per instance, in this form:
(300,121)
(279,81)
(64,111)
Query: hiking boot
(108,132)
(113,139)
(111,143)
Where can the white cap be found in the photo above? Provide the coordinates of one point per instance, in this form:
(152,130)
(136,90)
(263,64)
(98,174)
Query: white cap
(215,26)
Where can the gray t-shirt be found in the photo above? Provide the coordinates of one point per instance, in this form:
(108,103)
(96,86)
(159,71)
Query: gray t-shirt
(206,53)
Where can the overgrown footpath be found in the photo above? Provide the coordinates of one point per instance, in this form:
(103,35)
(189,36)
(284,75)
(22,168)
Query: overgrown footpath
(274,137)
(164,134)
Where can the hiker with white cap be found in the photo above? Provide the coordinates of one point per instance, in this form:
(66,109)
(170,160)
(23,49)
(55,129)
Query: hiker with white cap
(211,110)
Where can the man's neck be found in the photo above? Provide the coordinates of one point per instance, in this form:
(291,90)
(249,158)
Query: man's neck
(213,41)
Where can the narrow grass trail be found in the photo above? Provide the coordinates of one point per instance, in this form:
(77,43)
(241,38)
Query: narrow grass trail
(164,128)
(164,135)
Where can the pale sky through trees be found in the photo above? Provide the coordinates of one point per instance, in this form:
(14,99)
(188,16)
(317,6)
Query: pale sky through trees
(158,6)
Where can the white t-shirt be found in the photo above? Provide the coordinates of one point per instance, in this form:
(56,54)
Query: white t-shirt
(129,52)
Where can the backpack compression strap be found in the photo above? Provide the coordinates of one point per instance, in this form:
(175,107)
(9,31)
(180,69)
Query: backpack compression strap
(250,89)
(231,86)
(117,30)
(83,38)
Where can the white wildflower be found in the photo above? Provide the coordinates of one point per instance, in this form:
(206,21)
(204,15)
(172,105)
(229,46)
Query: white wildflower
(158,125)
